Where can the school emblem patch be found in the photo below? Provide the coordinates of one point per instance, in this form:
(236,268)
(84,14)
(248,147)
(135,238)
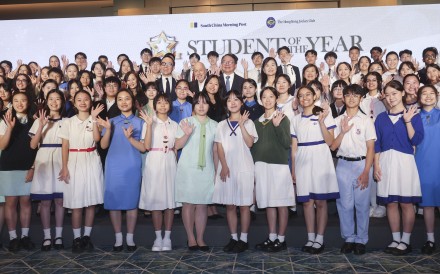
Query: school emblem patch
(358,131)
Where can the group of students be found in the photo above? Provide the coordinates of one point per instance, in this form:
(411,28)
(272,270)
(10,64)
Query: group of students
(154,142)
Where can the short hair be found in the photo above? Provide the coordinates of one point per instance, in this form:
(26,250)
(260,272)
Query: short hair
(80,54)
(147,50)
(123,54)
(225,99)
(421,89)
(391,53)
(172,59)
(56,70)
(433,49)
(112,79)
(198,96)
(379,49)
(354,47)
(283,48)
(338,83)
(164,97)
(133,99)
(233,56)
(194,54)
(330,54)
(405,51)
(410,75)
(8,63)
(395,85)
(257,53)
(354,89)
(407,63)
(213,53)
(153,60)
(102,56)
(273,90)
(312,52)
(170,55)
(284,76)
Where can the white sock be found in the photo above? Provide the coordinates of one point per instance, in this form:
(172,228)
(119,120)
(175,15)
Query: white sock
(58,232)
(292,208)
(129,239)
(405,237)
(12,234)
(252,208)
(234,236)
(311,237)
(243,237)
(47,233)
(24,232)
(430,237)
(87,231)
(319,240)
(396,238)
(167,235)
(118,239)
(281,238)
(158,234)
(272,236)
(76,233)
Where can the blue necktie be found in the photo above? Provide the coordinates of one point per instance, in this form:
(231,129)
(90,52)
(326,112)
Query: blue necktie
(228,84)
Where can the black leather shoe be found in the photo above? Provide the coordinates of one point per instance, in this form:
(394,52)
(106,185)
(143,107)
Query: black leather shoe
(399,252)
(14,245)
(77,246)
(389,249)
(307,248)
(240,247)
(347,248)
(204,248)
(118,248)
(428,248)
(58,246)
(26,243)
(131,248)
(314,250)
(230,246)
(277,246)
(87,243)
(264,245)
(46,247)
(359,249)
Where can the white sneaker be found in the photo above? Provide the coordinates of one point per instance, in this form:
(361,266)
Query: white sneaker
(372,208)
(379,212)
(166,245)
(157,246)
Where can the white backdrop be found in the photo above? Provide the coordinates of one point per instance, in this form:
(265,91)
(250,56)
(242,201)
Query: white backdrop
(394,28)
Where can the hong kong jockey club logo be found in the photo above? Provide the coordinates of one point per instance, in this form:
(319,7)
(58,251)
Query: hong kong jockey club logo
(163,44)
(270,22)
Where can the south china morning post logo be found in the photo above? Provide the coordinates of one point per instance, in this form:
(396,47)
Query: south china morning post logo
(270,22)
(193,25)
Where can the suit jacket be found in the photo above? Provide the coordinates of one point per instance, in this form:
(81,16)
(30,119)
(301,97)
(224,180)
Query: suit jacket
(236,84)
(161,88)
(297,83)
(335,111)
(112,112)
(194,86)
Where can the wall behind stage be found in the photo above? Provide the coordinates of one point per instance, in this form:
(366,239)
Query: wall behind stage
(394,28)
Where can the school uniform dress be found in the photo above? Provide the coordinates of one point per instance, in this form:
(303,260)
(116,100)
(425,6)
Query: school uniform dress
(273,180)
(16,159)
(123,172)
(314,168)
(428,157)
(286,107)
(158,181)
(254,108)
(195,184)
(180,111)
(352,153)
(48,162)
(86,184)
(400,179)
(239,186)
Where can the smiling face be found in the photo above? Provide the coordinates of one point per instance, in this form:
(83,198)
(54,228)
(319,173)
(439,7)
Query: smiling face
(249,90)
(405,70)
(201,107)
(228,65)
(337,92)
(352,100)
(377,68)
(5,96)
(411,85)
(233,103)
(125,67)
(72,72)
(270,68)
(393,96)
(433,74)
(212,86)
(182,90)
(151,92)
(310,74)
(20,103)
(124,102)
(167,66)
(132,82)
(306,98)
(44,74)
(54,62)
(428,97)
(162,106)
(371,82)
(364,64)
(282,85)
(21,82)
(392,61)
(85,79)
(354,55)
(48,87)
(73,89)
(268,99)
(82,102)
(54,102)
(199,72)
(343,72)
(98,70)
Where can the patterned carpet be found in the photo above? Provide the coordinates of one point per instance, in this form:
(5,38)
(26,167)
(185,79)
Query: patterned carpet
(180,260)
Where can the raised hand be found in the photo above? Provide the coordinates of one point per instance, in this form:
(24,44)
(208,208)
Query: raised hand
(42,118)
(147,118)
(217,71)
(322,115)
(243,118)
(99,90)
(277,118)
(325,80)
(33,80)
(186,127)
(272,53)
(135,66)
(109,64)
(128,131)
(382,54)
(9,120)
(104,123)
(322,66)
(409,114)
(96,110)
(244,64)
(416,64)
(64,60)
(19,62)
(185,65)
(345,127)
(143,77)
(40,104)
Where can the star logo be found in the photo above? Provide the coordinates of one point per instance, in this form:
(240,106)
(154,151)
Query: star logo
(162,44)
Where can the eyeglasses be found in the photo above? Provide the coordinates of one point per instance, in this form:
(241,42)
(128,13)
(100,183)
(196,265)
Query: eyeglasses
(21,80)
(352,95)
(167,64)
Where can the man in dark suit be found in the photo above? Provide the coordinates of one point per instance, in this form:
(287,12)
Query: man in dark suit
(200,73)
(287,68)
(166,83)
(228,77)
(146,55)
(188,74)
(112,85)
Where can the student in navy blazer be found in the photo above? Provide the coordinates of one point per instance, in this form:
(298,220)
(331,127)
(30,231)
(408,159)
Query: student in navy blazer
(291,70)
(229,64)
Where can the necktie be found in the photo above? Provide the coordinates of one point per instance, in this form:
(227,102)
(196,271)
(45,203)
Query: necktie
(259,76)
(285,69)
(329,72)
(193,76)
(228,84)
(167,87)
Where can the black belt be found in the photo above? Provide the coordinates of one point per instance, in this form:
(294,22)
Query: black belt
(355,159)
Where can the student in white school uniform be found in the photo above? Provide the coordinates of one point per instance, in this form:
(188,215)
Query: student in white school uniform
(81,168)
(234,182)
(395,170)
(355,143)
(312,134)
